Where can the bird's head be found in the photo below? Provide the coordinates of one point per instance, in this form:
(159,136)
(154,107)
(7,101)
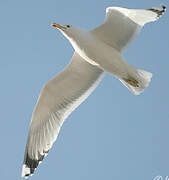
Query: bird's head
(75,35)
(67,29)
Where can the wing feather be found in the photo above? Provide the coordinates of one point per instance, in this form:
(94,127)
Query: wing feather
(122,25)
(59,97)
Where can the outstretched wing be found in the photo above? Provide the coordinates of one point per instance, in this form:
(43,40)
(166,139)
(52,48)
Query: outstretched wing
(59,97)
(121,25)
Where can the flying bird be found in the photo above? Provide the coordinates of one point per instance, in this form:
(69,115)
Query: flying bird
(97,52)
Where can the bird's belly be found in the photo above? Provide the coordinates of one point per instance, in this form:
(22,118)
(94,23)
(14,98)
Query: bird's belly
(102,55)
(84,52)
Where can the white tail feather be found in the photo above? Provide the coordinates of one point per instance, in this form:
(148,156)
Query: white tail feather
(142,77)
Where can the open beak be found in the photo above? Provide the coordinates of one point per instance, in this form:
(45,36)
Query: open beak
(58,26)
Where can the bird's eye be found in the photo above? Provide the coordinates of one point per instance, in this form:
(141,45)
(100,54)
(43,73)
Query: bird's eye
(68,26)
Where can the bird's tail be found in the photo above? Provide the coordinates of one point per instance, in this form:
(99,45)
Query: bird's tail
(139,82)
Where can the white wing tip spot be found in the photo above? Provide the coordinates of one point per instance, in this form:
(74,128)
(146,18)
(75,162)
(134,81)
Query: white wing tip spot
(25,171)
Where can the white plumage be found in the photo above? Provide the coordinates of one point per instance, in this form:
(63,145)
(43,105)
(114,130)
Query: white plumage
(96,52)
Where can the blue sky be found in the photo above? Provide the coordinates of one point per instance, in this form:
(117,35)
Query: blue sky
(113,134)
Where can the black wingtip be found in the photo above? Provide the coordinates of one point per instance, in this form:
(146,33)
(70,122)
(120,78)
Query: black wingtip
(164,7)
(159,10)
(30,165)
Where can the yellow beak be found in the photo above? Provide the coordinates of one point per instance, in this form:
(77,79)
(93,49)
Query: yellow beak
(57,26)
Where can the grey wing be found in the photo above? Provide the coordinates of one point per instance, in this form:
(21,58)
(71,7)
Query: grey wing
(59,97)
(122,25)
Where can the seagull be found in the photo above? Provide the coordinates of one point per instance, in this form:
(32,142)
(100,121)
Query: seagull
(97,52)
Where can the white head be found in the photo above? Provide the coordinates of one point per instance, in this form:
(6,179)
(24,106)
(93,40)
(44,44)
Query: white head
(76,36)
(67,30)
(70,32)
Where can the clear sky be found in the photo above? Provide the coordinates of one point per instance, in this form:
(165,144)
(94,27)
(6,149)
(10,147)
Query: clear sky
(113,134)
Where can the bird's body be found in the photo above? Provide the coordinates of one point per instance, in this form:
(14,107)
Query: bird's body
(96,52)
